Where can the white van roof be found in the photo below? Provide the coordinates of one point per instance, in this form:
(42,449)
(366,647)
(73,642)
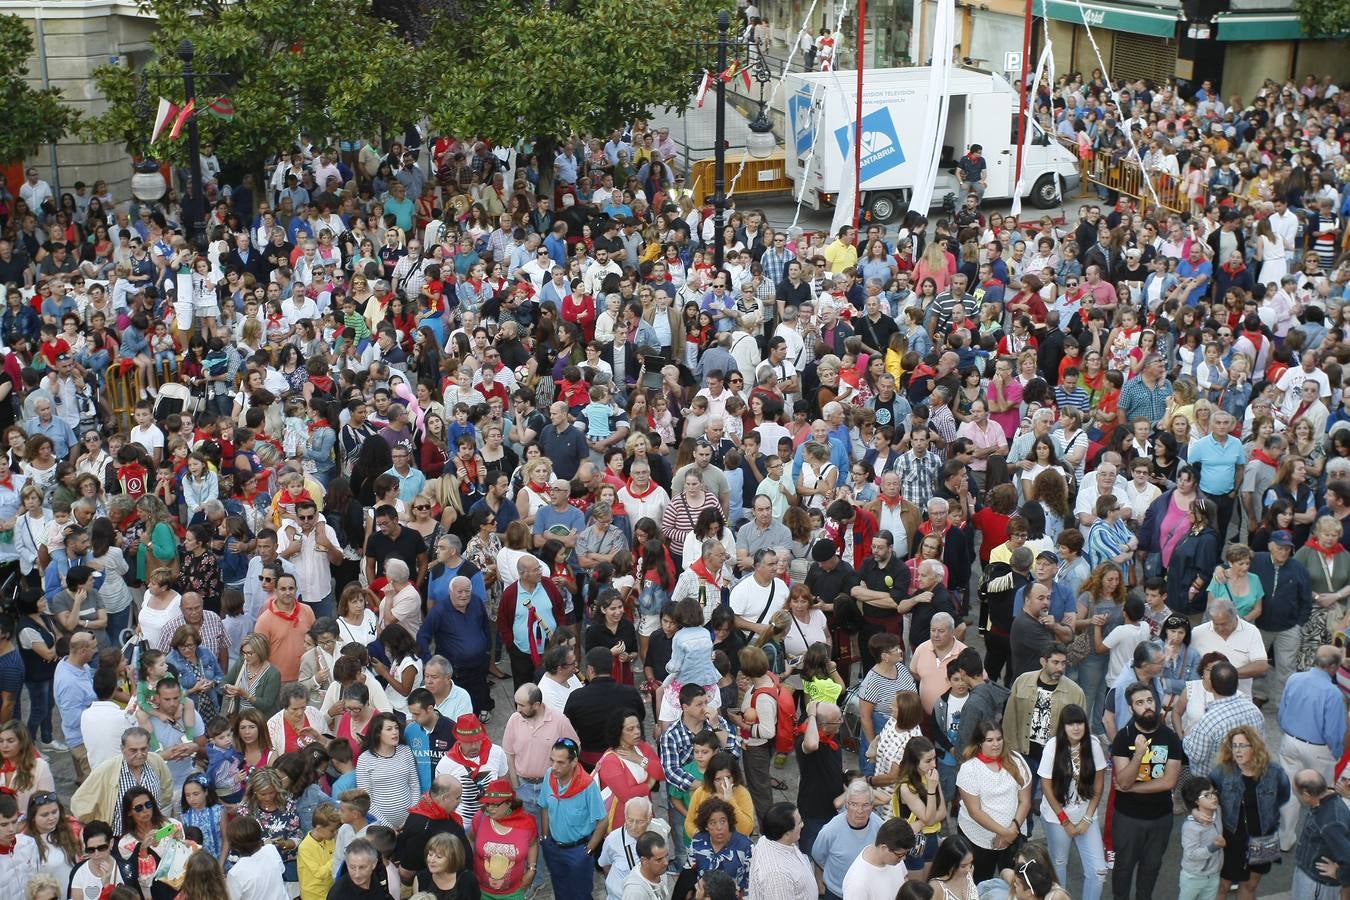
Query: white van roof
(963,80)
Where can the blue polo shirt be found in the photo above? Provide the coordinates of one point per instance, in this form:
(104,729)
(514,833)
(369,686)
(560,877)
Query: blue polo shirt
(1218,463)
(574,818)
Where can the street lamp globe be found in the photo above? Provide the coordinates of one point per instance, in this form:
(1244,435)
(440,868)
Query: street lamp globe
(147,184)
(761,143)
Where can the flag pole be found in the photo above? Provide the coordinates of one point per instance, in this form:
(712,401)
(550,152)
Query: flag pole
(1022,99)
(858,113)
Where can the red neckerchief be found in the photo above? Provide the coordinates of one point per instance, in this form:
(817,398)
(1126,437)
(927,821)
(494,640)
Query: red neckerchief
(891,504)
(1231,269)
(456,753)
(651,489)
(540,489)
(7,850)
(580,781)
(317,425)
(1262,456)
(700,569)
(989,759)
(830,741)
(293,616)
(8,482)
(1328,552)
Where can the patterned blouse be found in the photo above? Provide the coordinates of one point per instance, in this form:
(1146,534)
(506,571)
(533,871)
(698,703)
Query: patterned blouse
(734,858)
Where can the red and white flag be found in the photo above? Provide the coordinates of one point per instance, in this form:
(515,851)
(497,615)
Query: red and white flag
(183,115)
(164,116)
(703,88)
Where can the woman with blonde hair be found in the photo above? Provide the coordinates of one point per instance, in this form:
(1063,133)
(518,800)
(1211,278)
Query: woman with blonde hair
(534,493)
(253,682)
(1252,788)
(159,606)
(159,543)
(935,263)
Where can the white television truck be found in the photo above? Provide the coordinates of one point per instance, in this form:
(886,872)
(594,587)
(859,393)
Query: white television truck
(982,110)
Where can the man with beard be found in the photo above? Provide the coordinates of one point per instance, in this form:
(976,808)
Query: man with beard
(1146,759)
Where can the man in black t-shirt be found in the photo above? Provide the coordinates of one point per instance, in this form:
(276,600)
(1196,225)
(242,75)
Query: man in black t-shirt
(821,764)
(883,591)
(1146,760)
(390,540)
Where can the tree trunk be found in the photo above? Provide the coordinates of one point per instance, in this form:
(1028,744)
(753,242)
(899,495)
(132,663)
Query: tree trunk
(545,148)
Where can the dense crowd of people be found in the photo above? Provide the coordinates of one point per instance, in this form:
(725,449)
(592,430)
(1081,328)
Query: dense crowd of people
(1009,537)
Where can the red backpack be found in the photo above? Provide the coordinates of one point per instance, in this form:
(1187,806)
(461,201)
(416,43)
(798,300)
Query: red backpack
(785,732)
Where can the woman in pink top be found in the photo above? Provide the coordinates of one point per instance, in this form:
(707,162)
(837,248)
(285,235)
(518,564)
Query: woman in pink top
(1005,398)
(630,767)
(937,264)
(1176,520)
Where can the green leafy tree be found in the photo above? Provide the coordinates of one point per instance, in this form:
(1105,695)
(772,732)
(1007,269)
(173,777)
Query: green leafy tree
(32,117)
(329,67)
(542,70)
(1324,17)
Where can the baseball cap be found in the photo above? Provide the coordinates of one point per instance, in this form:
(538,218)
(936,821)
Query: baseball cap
(1282,537)
(1050,555)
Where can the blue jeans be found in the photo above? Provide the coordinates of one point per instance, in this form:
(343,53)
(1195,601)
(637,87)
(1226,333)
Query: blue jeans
(169,357)
(947,766)
(118,622)
(321,608)
(1090,854)
(571,869)
(679,851)
(1091,677)
(879,720)
(40,702)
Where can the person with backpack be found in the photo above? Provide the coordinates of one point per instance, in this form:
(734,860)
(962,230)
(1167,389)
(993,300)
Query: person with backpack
(766,722)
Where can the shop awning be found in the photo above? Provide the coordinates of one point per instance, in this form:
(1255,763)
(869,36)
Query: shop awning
(1259,27)
(1113,16)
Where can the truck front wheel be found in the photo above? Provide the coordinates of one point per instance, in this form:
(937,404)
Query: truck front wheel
(884,206)
(1045,194)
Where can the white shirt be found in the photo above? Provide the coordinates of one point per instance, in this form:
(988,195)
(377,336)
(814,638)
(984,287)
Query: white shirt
(619,853)
(313,572)
(1088,494)
(555,694)
(151,438)
(1241,647)
(102,725)
(258,877)
(749,599)
(865,881)
(1285,227)
(1291,383)
(35,195)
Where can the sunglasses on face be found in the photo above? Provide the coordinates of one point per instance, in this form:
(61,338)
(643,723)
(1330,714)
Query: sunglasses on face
(143,807)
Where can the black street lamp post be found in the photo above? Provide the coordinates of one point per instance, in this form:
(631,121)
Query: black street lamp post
(723,46)
(194,214)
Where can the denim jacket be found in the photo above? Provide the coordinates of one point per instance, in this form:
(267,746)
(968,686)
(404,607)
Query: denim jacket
(1272,792)
(1176,673)
(1326,832)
